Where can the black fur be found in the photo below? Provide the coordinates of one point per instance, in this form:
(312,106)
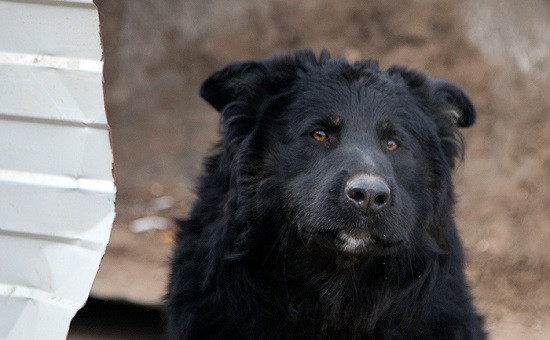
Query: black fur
(274,247)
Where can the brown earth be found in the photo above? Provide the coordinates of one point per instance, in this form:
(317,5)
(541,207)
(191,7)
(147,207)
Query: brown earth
(157,53)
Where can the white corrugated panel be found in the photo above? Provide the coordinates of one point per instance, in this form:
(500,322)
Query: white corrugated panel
(56,184)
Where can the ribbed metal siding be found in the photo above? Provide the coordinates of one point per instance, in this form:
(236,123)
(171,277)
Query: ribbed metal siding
(56,185)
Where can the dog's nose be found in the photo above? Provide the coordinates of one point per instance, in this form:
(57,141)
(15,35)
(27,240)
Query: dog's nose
(369,194)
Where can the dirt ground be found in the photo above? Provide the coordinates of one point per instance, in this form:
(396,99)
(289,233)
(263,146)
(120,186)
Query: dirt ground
(157,53)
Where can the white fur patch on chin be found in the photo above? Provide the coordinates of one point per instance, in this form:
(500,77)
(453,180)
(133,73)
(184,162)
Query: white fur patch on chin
(353,241)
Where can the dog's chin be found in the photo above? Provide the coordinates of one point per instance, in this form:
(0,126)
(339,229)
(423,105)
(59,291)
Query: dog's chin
(353,241)
(361,241)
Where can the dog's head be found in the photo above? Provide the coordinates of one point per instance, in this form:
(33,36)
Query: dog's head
(346,156)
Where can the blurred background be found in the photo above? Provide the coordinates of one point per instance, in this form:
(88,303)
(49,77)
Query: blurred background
(158,52)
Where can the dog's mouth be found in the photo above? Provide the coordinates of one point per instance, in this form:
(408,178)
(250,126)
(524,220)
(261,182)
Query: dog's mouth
(354,240)
(359,241)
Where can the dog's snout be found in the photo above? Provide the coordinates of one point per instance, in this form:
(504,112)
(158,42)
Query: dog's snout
(369,194)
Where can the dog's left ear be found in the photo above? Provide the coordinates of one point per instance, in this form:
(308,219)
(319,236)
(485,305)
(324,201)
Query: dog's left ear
(448,98)
(455,102)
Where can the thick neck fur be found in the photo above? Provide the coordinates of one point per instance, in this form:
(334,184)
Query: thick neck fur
(330,287)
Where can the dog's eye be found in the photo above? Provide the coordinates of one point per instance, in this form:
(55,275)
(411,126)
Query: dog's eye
(319,135)
(391,145)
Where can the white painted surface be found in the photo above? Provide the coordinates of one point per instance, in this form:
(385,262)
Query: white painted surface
(56,185)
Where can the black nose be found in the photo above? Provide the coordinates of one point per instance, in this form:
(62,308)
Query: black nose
(369,194)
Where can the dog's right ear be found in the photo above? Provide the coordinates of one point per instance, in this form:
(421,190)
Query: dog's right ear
(235,83)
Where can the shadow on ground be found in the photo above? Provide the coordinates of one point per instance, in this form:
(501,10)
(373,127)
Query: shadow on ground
(107,319)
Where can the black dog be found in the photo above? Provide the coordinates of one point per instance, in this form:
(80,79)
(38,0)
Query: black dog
(327,210)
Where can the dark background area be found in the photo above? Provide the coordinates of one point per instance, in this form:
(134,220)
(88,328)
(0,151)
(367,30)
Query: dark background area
(158,52)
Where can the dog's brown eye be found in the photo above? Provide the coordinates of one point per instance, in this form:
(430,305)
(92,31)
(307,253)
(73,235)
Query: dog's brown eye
(319,135)
(391,145)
